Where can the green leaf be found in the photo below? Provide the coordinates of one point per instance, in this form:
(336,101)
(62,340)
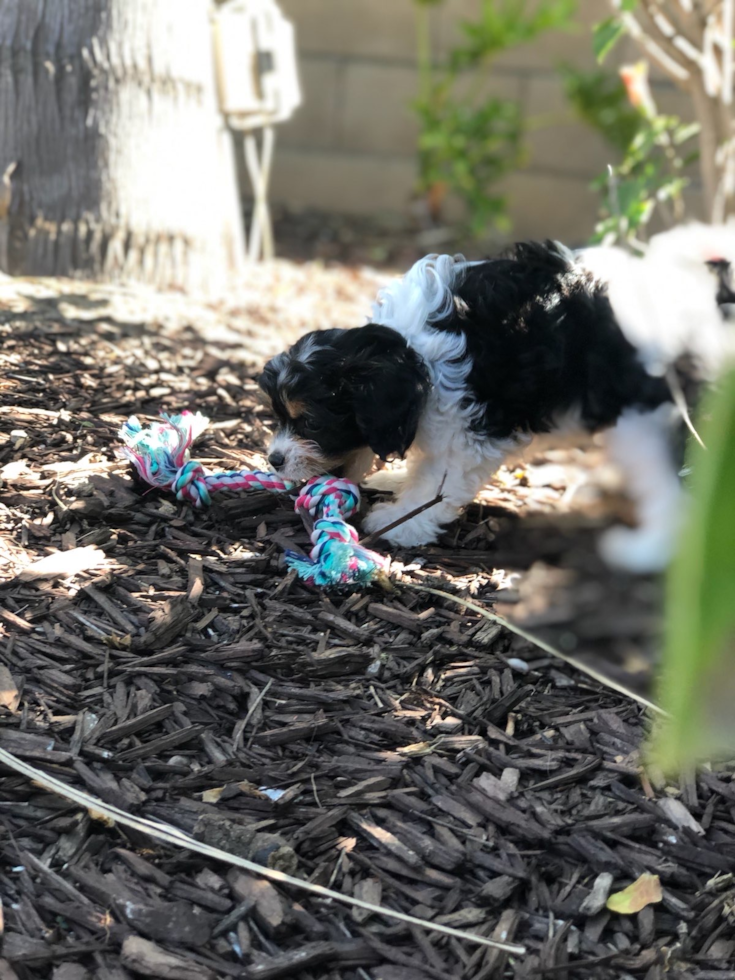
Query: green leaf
(605,36)
(697,685)
(599,98)
(685,132)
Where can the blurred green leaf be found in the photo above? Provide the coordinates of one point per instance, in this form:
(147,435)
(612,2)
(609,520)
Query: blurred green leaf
(605,36)
(697,685)
(685,132)
(505,24)
(599,98)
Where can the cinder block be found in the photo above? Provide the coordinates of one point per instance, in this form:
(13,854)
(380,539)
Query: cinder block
(340,182)
(384,29)
(375,112)
(314,124)
(376,104)
(552,206)
(672,100)
(491,84)
(558,140)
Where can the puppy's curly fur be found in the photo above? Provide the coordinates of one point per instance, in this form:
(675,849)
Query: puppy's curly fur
(464,362)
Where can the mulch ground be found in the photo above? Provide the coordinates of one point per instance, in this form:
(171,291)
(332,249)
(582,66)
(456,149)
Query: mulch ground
(395,746)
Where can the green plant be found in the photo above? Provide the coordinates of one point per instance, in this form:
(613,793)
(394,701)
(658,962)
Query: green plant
(692,43)
(469,142)
(652,172)
(467,149)
(600,99)
(697,686)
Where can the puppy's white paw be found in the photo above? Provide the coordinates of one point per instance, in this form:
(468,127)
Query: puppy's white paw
(419,530)
(642,550)
(387,481)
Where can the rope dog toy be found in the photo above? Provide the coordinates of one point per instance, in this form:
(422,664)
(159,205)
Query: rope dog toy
(160,454)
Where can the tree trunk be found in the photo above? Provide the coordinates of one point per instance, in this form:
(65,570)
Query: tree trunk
(123,167)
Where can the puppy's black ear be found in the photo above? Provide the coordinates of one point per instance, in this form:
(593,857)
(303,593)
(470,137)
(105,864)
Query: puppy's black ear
(288,367)
(268,380)
(388,384)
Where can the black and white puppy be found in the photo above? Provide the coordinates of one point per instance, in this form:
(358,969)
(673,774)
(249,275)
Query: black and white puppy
(464,362)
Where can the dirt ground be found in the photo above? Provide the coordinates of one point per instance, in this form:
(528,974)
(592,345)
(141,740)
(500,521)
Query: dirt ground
(395,746)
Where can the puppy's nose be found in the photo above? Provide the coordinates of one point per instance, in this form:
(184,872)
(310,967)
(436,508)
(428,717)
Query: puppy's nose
(276,459)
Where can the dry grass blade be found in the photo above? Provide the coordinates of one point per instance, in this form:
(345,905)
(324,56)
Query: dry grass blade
(541,644)
(170,835)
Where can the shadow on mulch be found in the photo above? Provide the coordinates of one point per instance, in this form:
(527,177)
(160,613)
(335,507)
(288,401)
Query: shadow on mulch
(401,748)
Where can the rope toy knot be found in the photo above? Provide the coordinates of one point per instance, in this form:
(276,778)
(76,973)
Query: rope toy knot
(190,485)
(322,492)
(160,454)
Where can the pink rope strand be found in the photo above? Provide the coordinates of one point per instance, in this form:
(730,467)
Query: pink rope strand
(160,454)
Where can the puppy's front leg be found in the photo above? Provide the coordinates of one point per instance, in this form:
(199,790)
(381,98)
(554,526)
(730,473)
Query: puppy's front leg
(424,476)
(640,444)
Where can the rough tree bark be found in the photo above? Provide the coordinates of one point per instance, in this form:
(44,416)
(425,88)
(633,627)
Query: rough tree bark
(115,158)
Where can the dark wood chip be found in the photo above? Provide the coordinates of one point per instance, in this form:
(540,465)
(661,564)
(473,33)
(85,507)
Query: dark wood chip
(392,745)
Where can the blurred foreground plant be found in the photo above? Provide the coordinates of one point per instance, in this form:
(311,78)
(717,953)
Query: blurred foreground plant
(697,685)
(468,142)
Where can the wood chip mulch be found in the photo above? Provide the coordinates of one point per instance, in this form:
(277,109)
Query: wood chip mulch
(394,746)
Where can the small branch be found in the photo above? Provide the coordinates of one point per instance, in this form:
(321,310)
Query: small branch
(714,4)
(728,29)
(672,30)
(406,517)
(711,69)
(668,61)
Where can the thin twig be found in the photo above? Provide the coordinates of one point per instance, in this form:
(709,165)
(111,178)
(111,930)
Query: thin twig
(407,517)
(668,60)
(612,185)
(542,644)
(728,27)
(172,835)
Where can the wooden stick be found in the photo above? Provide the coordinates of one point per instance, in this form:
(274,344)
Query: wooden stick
(407,517)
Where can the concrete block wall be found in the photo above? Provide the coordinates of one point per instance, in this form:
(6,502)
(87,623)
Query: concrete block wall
(351,146)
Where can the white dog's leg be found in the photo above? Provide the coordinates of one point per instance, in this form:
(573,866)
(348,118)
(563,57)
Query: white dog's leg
(359,464)
(640,445)
(387,481)
(462,479)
